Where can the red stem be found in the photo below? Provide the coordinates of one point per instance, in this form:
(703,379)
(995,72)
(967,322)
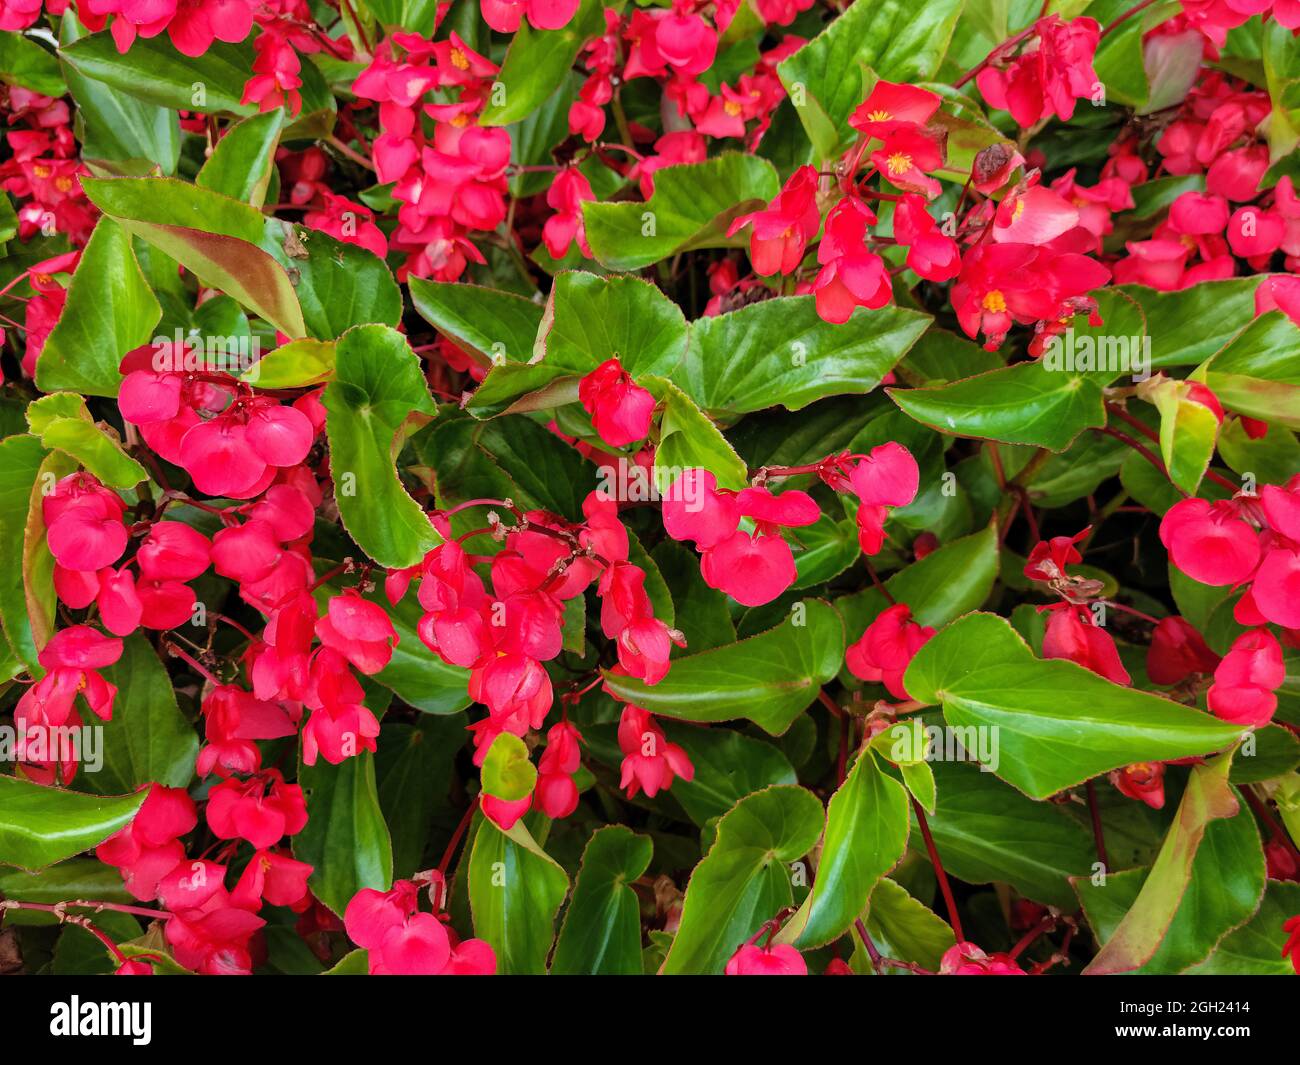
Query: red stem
(953,918)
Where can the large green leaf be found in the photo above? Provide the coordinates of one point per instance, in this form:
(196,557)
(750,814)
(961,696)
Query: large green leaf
(601,935)
(745,878)
(1056,723)
(1256,373)
(537,62)
(901,42)
(688,438)
(40,826)
(1139,934)
(498,326)
(515,891)
(20,464)
(768,679)
(692,207)
(110,310)
(62,421)
(345,839)
(779,352)
(148,739)
(154,71)
(728,766)
(377,387)
(414,765)
(986,832)
(1189,325)
(115,127)
(338,285)
(242,162)
(1027,403)
(1256,948)
(866,834)
(588,319)
(24,62)
(1223,891)
(212,235)
(904,928)
(417,16)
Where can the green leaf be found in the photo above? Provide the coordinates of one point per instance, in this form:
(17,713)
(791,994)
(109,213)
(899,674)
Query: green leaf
(537,62)
(745,879)
(62,421)
(588,319)
(1056,723)
(901,42)
(1118,61)
(1256,948)
(338,285)
(110,311)
(21,458)
(378,385)
(778,352)
(866,834)
(414,765)
(1027,403)
(148,739)
(507,772)
(213,236)
(1208,796)
(241,164)
(728,766)
(213,83)
(40,826)
(948,582)
(1188,432)
(346,839)
(688,438)
(987,832)
(1223,892)
(75,878)
(37,561)
(1256,373)
(495,325)
(515,891)
(296,364)
(692,207)
(601,934)
(769,679)
(115,127)
(904,928)
(24,62)
(417,16)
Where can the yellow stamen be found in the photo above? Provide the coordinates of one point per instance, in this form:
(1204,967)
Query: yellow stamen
(879,116)
(994,301)
(731,107)
(898,163)
(459,60)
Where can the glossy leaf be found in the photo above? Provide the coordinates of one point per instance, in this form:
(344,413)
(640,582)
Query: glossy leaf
(40,826)
(692,207)
(377,387)
(745,878)
(110,310)
(768,679)
(601,934)
(1057,723)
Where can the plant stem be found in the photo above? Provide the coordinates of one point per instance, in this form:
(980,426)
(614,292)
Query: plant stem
(1097,834)
(953,917)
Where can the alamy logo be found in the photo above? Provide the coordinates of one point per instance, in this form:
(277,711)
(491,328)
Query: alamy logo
(77,1018)
(1091,352)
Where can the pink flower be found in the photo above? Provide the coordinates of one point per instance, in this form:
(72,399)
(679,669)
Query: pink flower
(504,15)
(1048,77)
(885,650)
(892,107)
(1072,635)
(782,231)
(851,276)
(650,762)
(777,959)
(1247,678)
(966,959)
(620,409)
(888,477)
(1177,651)
(1209,542)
